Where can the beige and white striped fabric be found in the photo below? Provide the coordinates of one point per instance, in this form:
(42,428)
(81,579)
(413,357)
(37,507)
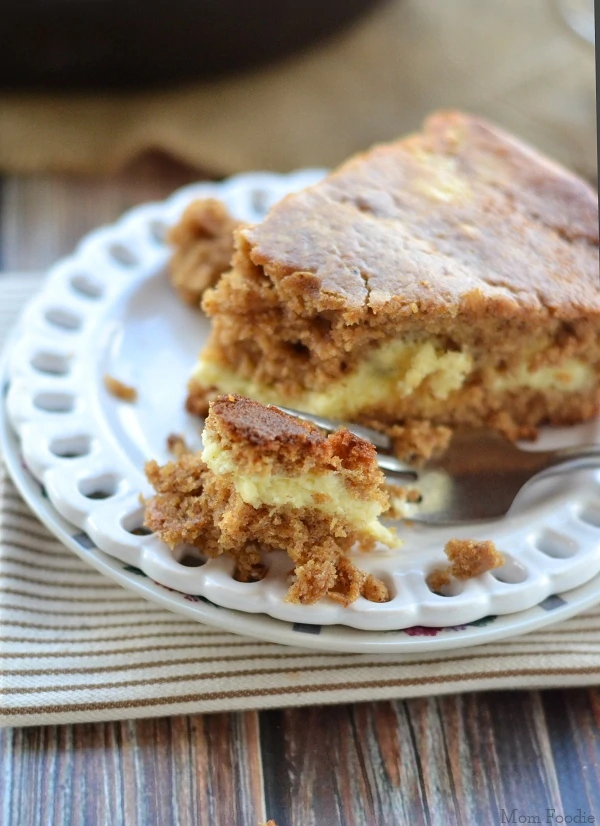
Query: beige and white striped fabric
(76,647)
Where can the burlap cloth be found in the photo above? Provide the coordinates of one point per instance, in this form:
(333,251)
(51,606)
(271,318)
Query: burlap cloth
(511,60)
(76,647)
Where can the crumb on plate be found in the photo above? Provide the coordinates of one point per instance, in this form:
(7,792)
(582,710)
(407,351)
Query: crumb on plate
(439,578)
(468,558)
(120,390)
(375,590)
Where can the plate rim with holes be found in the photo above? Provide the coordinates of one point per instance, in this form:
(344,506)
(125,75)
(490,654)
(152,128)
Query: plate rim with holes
(54,413)
(262,627)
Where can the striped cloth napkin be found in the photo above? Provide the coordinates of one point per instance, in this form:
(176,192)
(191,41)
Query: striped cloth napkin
(77,648)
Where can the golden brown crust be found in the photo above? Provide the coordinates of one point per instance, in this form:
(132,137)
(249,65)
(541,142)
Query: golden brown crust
(262,439)
(203,246)
(240,419)
(423,225)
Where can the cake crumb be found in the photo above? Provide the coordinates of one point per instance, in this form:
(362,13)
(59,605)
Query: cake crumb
(349,583)
(439,578)
(177,445)
(120,390)
(249,567)
(375,590)
(468,558)
(313,579)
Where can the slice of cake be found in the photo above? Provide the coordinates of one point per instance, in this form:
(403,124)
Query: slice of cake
(203,246)
(450,278)
(266,481)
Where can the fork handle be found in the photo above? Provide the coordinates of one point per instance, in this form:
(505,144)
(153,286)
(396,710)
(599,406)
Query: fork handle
(578,456)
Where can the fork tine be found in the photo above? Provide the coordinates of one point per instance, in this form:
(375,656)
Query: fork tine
(392,465)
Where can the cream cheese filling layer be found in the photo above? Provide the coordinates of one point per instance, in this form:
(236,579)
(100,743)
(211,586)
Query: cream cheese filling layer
(396,370)
(325,492)
(570,375)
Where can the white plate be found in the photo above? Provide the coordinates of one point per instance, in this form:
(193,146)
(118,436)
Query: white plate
(325,638)
(109,309)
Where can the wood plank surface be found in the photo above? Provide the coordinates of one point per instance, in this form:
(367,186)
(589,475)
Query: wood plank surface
(453,760)
(189,771)
(464,759)
(460,759)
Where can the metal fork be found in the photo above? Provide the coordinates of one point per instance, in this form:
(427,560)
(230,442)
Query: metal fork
(476,479)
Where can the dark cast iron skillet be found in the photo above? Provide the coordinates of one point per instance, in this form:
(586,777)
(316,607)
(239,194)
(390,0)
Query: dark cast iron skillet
(122,43)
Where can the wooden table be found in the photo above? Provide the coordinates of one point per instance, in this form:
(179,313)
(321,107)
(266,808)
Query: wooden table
(468,759)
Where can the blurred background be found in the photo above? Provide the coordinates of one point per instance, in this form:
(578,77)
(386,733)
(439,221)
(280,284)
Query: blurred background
(106,103)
